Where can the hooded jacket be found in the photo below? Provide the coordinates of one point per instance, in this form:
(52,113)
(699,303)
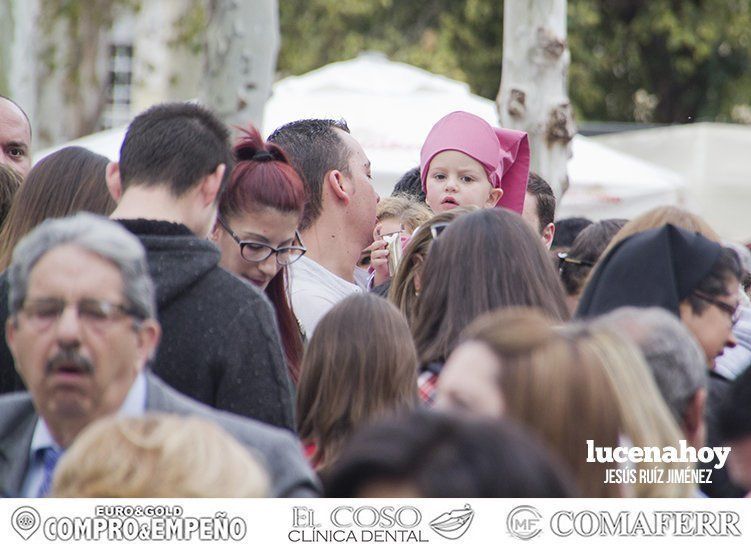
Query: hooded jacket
(220,342)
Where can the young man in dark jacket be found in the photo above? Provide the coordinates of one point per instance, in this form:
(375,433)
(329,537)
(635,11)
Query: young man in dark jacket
(220,341)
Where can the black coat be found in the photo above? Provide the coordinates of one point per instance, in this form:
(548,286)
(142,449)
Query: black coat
(719,393)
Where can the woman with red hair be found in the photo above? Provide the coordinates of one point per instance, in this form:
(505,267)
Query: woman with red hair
(256,229)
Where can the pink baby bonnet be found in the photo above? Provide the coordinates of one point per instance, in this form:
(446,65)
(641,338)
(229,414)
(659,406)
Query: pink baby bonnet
(503,153)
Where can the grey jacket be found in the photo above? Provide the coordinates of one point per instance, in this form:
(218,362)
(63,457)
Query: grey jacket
(289,472)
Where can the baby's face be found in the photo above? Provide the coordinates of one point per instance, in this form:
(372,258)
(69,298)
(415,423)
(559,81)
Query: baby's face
(455,179)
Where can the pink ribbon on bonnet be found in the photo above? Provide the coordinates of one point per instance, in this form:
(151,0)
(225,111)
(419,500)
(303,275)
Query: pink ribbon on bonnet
(504,153)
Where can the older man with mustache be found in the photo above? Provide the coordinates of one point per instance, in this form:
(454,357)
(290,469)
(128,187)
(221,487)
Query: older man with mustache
(82,327)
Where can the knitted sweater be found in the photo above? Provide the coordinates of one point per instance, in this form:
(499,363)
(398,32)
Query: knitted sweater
(220,341)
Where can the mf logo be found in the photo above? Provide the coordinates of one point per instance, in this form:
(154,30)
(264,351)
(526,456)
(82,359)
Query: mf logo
(524,522)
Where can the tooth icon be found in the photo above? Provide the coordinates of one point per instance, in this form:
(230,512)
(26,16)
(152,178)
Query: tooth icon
(452,525)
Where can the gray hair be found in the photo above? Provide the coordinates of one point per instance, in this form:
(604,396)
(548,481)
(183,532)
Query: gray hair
(673,355)
(93,233)
(744,255)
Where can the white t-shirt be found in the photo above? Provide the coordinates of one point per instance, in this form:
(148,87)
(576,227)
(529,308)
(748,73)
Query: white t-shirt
(314,290)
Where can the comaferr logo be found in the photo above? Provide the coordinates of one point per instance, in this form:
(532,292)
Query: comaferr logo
(452,525)
(524,522)
(675,523)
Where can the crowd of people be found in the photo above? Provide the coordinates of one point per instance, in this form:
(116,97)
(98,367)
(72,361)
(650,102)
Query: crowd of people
(209,318)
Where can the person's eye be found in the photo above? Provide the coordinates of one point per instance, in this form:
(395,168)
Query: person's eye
(439,177)
(45,310)
(468,179)
(17,152)
(93,310)
(255,247)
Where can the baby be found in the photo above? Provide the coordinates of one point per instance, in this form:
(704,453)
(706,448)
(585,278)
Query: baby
(464,161)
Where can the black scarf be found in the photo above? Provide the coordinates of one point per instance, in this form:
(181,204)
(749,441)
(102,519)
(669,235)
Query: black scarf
(657,267)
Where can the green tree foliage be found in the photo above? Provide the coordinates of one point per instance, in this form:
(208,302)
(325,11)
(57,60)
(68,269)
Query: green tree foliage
(646,60)
(460,39)
(660,60)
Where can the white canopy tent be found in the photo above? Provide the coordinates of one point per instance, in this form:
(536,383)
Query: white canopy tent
(711,157)
(390,108)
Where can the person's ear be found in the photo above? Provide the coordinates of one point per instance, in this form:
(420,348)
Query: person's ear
(216,232)
(493,198)
(149,332)
(211,185)
(11,324)
(548,233)
(114,183)
(685,312)
(693,418)
(11,327)
(335,182)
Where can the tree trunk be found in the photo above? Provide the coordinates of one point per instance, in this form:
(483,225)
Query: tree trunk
(18,54)
(533,96)
(242,42)
(71,86)
(166,61)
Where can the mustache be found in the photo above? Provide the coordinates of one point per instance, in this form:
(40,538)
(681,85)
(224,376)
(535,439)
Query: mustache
(71,359)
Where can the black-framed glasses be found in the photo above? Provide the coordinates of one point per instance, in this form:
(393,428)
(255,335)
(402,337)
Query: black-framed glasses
(257,252)
(733,311)
(564,258)
(43,312)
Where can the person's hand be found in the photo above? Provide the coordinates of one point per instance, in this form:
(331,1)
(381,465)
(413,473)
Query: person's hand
(379,261)
(379,257)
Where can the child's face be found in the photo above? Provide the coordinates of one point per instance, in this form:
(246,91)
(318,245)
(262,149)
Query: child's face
(389,225)
(455,179)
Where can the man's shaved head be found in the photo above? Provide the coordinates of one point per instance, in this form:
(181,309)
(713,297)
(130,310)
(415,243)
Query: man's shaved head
(15,137)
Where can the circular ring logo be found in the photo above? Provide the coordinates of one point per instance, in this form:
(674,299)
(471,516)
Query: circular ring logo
(524,522)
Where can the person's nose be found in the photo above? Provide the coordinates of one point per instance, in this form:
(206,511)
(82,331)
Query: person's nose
(68,329)
(451,184)
(269,266)
(732,340)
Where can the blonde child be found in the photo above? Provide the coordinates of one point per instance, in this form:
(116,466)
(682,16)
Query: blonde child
(402,214)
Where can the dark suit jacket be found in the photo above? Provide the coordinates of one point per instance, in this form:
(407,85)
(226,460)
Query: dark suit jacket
(280,450)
